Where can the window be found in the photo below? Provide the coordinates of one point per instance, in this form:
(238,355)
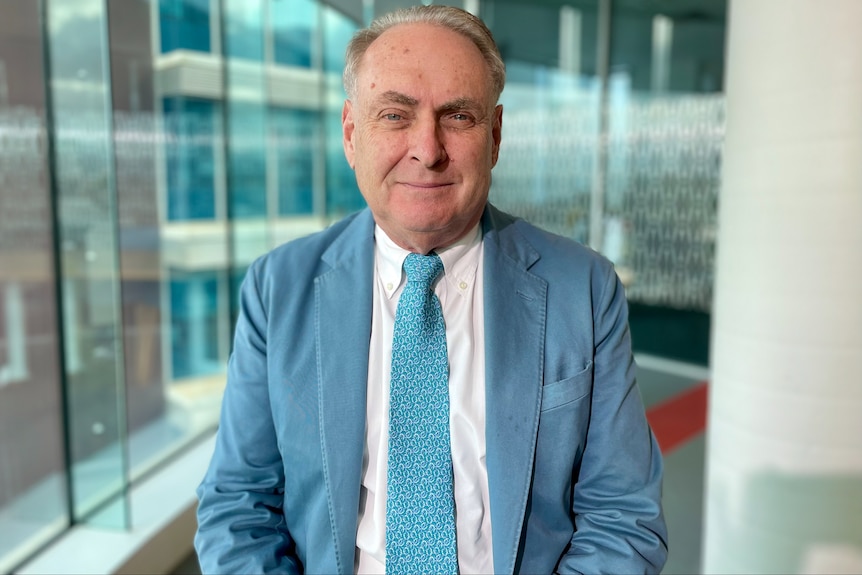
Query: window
(184,25)
(195,324)
(293,30)
(294,135)
(189,149)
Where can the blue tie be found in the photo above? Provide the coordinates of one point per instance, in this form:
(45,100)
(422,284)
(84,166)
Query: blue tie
(420,502)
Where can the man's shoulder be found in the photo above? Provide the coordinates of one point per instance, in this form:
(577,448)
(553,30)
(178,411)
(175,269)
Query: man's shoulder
(309,251)
(549,247)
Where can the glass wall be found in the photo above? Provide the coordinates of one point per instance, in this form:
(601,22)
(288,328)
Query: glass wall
(34,490)
(162,147)
(552,110)
(151,149)
(665,131)
(612,135)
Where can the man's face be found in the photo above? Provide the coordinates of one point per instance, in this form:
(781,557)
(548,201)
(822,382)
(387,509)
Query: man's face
(422,133)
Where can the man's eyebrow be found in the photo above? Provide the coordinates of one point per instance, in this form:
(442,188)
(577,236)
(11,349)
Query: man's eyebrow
(391,96)
(460,104)
(397,98)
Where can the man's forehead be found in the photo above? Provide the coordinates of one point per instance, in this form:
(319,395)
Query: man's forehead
(412,45)
(409,32)
(411,40)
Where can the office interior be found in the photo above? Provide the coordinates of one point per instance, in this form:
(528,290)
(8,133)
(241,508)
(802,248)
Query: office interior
(150,150)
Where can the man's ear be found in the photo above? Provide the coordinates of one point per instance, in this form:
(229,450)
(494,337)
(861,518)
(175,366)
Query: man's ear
(347,130)
(496,133)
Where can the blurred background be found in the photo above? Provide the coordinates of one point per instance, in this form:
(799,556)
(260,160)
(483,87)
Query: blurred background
(151,149)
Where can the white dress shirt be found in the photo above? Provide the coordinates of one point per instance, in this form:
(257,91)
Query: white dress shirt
(459,289)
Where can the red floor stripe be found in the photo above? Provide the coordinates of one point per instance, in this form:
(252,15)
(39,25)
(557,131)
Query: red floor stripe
(680,418)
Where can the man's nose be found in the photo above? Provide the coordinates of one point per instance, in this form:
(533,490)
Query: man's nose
(427,145)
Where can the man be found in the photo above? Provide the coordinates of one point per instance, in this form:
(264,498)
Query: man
(548,464)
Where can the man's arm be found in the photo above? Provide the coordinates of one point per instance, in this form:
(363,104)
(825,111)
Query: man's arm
(617,498)
(241,526)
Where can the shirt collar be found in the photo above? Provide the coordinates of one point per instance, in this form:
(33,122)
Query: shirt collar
(460,261)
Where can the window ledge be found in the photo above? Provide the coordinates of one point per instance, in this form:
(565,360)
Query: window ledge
(163,525)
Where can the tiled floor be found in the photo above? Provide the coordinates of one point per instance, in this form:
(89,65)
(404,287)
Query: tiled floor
(659,382)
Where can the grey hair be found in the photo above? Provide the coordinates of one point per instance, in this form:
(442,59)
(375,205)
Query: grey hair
(455,19)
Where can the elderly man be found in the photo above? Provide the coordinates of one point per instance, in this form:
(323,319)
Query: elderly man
(431,385)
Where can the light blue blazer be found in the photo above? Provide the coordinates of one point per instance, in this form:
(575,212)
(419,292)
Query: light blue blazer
(574,472)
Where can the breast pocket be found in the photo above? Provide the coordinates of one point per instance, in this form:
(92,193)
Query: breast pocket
(567,390)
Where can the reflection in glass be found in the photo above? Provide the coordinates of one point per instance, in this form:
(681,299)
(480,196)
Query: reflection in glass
(242,26)
(292,132)
(294,27)
(194,329)
(342,195)
(250,192)
(552,112)
(184,24)
(33,483)
(190,170)
(247,181)
(85,192)
(664,135)
(33,493)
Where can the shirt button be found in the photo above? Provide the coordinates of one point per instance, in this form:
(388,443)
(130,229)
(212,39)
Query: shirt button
(463,285)
(389,287)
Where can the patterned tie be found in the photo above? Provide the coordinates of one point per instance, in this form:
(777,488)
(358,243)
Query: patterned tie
(420,504)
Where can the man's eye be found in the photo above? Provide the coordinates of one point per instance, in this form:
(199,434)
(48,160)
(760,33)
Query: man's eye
(393,117)
(459,120)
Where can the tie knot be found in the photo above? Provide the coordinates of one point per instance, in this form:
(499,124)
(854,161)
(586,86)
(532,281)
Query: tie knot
(423,269)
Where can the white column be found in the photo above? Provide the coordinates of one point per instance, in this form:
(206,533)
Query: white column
(570,40)
(784,452)
(662,46)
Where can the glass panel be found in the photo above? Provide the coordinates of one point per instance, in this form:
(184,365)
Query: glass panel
(33,483)
(194,331)
(549,158)
(84,180)
(184,24)
(136,153)
(252,186)
(292,133)
(242,25)
(665,132)
(246,151)
(342,193)
(190,129)
(294,25)
(251,194)
(170,179)
(671,46)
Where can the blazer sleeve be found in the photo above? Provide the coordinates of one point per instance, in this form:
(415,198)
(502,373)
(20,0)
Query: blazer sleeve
(620,527)
(241,526)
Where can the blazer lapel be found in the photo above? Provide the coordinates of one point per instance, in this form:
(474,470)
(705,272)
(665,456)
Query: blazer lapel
(343,302)
(515,303)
